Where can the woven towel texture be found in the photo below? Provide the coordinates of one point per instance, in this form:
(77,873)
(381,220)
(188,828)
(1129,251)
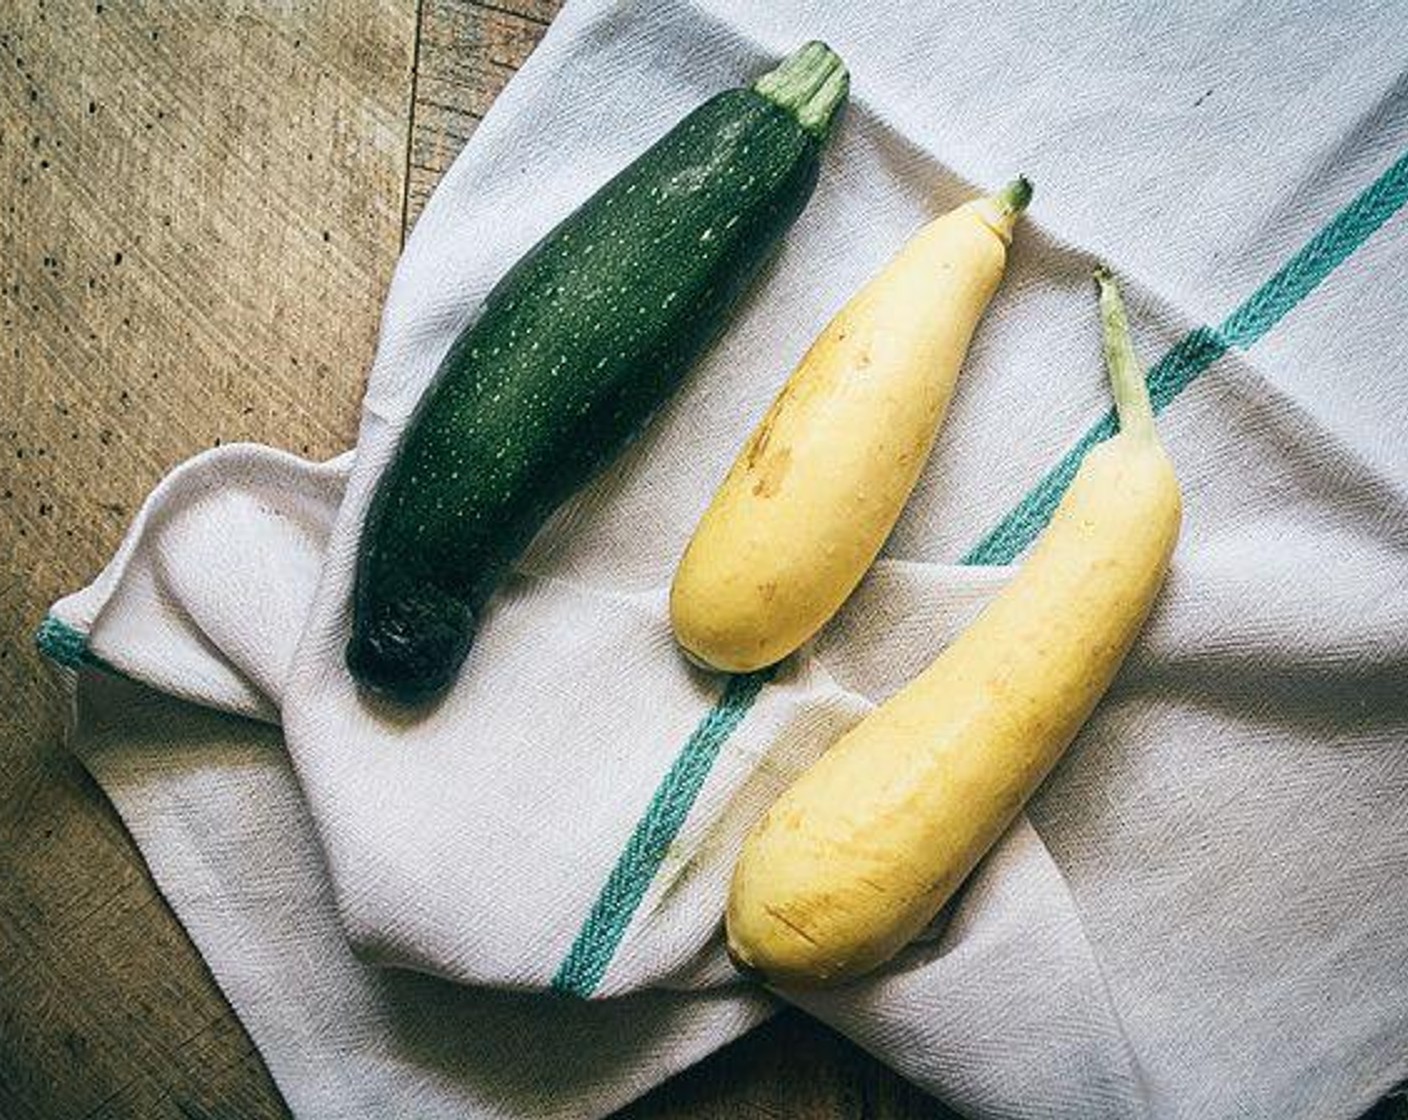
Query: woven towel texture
(1201,912)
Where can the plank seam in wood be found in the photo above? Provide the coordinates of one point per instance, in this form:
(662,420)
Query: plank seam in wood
(411,123)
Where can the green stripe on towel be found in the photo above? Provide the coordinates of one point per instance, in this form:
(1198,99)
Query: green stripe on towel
(600,935)
(1268,305)
(628,881)
(64,645)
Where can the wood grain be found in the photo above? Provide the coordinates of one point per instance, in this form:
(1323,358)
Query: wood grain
(203,206)
(466,53)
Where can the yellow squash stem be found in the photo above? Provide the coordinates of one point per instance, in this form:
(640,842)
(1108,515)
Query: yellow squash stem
(1127,382)
(860,853)
(819,485)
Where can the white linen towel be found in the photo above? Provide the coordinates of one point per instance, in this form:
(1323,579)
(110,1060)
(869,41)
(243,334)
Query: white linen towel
(511,907)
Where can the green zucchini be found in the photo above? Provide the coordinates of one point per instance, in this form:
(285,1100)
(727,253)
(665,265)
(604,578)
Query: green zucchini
(574,349)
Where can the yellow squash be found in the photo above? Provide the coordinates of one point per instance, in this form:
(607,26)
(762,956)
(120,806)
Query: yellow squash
(858,856)
(817,489)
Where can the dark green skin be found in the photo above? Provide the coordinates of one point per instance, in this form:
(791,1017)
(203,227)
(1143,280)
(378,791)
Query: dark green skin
(575,348)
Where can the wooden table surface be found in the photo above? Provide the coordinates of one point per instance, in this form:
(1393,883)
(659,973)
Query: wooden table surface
(203,206)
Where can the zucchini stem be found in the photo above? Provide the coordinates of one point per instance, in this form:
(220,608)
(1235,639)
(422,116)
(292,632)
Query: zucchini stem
(1127,381)
(811,83)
